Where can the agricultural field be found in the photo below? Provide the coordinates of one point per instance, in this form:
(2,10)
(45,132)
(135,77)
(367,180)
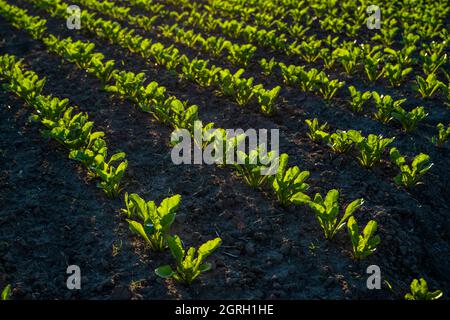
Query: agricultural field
(347,199)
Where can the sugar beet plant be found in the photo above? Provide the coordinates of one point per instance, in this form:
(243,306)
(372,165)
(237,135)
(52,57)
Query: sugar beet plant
(327,211)
(190,264)
(289,183)
(150,221)
(420,291)
(410,175)
(442,135)
(363,244)
(371,148)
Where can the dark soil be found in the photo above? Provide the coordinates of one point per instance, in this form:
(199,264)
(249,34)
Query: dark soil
(51,216)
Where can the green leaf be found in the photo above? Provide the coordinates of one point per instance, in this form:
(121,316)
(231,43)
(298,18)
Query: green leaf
(176,248)
(6,292)
(138,228)
(205,267)
(207,248)
(164,272)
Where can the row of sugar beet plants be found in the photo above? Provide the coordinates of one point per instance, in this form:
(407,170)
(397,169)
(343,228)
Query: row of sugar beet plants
(283,185)
(241,89)
(239,55)
(62,123)
(349,54)
(74,132)
(371,150)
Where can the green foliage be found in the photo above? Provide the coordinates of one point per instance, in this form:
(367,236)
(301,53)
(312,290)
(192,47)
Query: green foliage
(371,149)
(372,64)
(154,221)
(198,72)
(429,86)
(327,211)
(419,291)
(109,174)
(103,71)
(254,166)
(358,99)
(316,132)
(241,54)
(385,106)
(409,120)
(289,183)
(233,85)
(267,99)
(50,108)
(267,66)
(366,243)
(72,131)
(215,45)
(432,61)
(342,141)
(348,57)
(189,264)
(6,293)
(442,135)
(127,85)
(327,87)
(410,175)
(26,85)
(396,73)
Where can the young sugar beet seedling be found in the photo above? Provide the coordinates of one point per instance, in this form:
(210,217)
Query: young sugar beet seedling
(366,243)
(155,221)
(267,99)
(371,148)
(289,183)
(442,135)
(396,73)
(189,264)
(127,85)
(109,174)
(241,89)
(358,99)
(385,105)
(241,54)
(97,146)
(26,85)
(419,291)
(255,166)
(316,132)
(342,141)
(410,175)
(429,86)
(50,108)
(327,87)
(327,211)
(409,120)
(267,66)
